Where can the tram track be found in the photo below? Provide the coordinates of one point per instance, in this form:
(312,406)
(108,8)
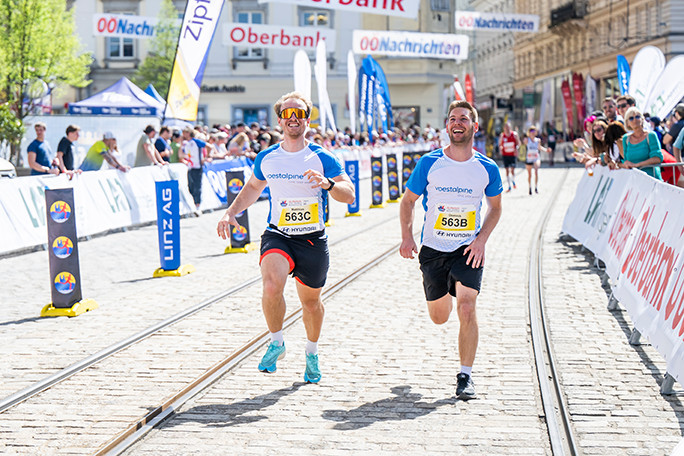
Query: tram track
(555,412)
(38,387)
(124,440)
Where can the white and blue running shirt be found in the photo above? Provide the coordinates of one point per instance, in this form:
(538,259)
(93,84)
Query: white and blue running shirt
(295,207)
(452,197)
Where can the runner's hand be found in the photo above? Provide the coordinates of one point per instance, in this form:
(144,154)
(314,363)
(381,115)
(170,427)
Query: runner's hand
(475,251)
(223,228)
(316,178)
(408,248)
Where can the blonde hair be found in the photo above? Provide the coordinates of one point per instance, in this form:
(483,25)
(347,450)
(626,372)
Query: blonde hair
(297,96)
(633,111)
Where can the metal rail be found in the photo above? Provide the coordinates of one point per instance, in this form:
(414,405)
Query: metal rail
(139,429)
(561,435)
(47,382)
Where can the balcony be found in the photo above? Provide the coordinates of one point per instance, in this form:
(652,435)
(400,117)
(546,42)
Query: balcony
(569,17)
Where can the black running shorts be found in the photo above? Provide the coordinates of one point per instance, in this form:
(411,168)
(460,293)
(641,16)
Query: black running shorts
(509,161)
(441,271)
(307,255)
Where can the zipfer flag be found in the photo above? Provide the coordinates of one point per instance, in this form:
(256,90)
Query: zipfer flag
(194,40)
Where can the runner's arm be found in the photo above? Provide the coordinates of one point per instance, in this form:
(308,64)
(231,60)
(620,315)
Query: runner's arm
(406,216)
(343,191)
(476,249)
(247,196)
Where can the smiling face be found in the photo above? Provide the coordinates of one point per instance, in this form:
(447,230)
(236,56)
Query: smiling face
(460,126)
(292,126)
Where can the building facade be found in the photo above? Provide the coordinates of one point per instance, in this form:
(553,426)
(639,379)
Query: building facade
(241,82)
(585,37)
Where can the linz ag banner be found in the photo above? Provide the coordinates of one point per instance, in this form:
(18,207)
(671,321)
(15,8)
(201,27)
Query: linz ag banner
(402,8)
(276,37)
(408,44)
(497,22)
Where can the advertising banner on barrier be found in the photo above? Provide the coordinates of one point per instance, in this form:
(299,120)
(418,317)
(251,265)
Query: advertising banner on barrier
(376,182)
(239,237)
(406,169)
(410,44)
(124,25)
(392,178)
(65,273)
(499,22)
(276,37)
(402,8)
(635,226)
(351,167)
(168,224)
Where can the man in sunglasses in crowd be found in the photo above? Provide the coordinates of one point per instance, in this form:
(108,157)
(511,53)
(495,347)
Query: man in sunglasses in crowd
(297,173)
(624,102)
(610,111)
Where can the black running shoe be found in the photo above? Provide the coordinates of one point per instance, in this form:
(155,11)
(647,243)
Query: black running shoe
(465,389)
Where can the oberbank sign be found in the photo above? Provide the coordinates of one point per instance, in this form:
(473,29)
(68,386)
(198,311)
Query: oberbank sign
(124,25)
(273,36)
(408,44)
(497,22)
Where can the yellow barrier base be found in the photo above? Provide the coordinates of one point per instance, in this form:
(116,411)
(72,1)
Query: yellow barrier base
(329,223)
(394,201)
(378,206)
(246,249)
(74,311)
(353,214)
(183,270)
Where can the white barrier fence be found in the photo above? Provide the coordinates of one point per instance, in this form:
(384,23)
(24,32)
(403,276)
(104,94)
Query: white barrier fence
(107,200)
(635,225)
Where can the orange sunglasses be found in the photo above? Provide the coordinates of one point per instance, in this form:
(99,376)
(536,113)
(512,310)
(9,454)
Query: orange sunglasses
(298,113)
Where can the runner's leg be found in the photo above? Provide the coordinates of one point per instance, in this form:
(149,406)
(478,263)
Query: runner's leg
(312,310)
(274,271)
(468,334)
(440,309)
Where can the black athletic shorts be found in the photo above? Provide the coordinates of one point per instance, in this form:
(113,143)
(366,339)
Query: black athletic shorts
(509,161)
(307,255)
(441,271)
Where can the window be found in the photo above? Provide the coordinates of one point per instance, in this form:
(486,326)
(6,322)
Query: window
(249,17)
(440,5)
(120,48)
(314,18)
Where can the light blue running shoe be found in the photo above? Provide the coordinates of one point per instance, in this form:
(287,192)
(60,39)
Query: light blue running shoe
(312,374)
(275,351)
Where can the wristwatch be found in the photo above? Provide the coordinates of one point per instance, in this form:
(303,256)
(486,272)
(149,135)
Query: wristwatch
(331,182)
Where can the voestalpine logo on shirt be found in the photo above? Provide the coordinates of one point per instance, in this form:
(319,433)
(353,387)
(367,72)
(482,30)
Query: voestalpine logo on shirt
(469,191)
(287,176)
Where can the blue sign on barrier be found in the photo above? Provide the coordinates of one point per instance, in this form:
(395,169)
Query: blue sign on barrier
(351,167)
(168,224)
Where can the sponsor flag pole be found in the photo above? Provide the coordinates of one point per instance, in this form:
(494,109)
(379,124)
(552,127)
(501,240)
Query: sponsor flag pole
(302,73)
(195,37)
(351,82)
(65,272)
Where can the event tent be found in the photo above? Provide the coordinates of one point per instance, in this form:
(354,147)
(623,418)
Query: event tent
(123,98)
(151,91)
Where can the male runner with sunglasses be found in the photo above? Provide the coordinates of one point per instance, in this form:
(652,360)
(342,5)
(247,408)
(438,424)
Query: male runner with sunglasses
(297,172)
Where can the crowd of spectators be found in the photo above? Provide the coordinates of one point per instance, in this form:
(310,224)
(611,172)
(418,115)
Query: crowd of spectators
(621,136)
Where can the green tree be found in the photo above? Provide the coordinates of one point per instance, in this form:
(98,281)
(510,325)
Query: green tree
(37,42)
(157,66)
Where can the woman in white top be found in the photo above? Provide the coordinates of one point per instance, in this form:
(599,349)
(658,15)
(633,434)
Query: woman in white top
(533,158)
